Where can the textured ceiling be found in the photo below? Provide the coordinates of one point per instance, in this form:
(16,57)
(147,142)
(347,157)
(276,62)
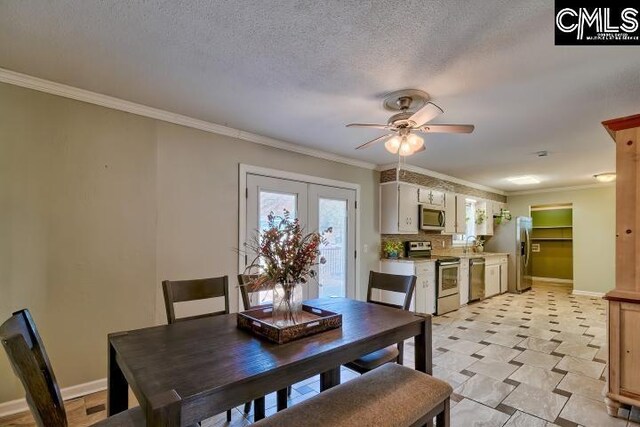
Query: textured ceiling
(299,70)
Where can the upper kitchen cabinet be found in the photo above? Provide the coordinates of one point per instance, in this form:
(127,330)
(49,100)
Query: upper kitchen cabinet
(433,199)
(455,215)
(398,208)
(484,218)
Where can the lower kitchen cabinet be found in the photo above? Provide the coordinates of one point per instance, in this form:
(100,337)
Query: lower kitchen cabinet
(491,276)
(424,297)
(504,275)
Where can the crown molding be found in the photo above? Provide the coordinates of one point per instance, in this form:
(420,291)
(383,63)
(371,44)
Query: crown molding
(53,88)
(418,169)
(557,189)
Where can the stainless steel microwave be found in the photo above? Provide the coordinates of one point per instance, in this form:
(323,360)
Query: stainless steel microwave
(431,219)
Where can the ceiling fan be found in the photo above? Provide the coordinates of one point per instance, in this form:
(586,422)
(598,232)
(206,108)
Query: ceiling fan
(415,113)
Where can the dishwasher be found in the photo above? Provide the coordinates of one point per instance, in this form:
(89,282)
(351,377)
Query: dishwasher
(476,279)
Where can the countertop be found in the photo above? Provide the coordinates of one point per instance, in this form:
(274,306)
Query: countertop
(462,256)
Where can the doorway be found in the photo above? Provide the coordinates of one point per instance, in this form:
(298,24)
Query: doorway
(552,244)
(319,205)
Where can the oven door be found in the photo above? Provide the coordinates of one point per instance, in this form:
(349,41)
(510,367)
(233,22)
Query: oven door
(431,219)
(448,279)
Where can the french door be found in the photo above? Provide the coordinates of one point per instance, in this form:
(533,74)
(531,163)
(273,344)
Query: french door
(318,208)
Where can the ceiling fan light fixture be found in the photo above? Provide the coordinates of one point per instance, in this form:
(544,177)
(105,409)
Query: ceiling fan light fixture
(415,141)
(405,148)
(393,144)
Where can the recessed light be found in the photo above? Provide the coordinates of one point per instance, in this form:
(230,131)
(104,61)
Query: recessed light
(524,180)
(605,177)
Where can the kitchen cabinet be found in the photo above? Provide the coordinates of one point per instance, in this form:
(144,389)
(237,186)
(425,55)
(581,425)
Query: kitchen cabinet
(449,213)
(486,227)
(455,220)
(461,214)
(398,208)
(504,274)
(424,297)
(433,199)
(463,281)
(492,276)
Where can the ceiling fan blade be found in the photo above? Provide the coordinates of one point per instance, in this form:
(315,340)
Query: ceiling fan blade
(427,113)
(373,141)
(368,125)
(447,128)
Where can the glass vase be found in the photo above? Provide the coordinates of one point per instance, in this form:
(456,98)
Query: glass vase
(287,304)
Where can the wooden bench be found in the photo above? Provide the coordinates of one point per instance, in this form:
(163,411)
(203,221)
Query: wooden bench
(389,396)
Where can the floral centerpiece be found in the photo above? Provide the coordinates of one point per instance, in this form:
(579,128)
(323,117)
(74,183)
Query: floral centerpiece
(284,261)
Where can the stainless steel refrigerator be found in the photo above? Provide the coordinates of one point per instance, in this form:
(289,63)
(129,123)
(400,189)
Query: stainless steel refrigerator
(514,238)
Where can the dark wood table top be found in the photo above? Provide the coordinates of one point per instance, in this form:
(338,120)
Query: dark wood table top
(210,356)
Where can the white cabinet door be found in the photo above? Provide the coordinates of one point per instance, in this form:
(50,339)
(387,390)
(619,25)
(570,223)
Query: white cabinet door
(486,227)
(434,199)
(427,276)
(407,208)
(398,209)
(463,281)
(461,214)
(504,277)
(449,213)
(492,280)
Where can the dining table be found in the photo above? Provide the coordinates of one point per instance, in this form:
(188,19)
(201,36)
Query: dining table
(188,371)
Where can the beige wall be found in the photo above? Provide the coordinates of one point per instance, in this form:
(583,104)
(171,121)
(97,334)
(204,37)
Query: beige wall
(200,171)
(98,206)
(594,223)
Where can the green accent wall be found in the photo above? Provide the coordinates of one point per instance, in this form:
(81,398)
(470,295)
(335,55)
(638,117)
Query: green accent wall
(553,232)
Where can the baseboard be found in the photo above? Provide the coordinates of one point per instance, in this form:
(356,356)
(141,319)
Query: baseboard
(588,293)
(20,405)
(551,279)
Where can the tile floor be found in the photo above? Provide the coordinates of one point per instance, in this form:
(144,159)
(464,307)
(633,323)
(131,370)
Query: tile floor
(535,359)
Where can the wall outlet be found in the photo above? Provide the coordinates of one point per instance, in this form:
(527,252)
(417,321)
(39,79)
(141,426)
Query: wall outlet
(365,249)
(535,247)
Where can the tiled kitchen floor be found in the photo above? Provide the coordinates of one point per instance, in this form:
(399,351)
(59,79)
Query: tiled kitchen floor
(535,359)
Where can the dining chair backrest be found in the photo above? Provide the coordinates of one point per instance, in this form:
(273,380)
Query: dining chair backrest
(391,283)
(246,289)
(192,290)
(31,364)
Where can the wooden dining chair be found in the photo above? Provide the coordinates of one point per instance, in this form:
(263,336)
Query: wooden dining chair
(193,290)
(391,283)
(30,362)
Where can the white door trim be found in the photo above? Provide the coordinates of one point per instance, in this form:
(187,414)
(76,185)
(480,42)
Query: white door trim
(245,169)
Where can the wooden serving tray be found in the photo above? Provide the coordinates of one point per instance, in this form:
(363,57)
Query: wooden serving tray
(259,321)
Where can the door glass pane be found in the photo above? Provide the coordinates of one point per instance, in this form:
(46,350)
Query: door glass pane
(333,274)
(271,201)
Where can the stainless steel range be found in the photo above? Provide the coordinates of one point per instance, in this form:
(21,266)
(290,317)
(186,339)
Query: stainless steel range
(447,274)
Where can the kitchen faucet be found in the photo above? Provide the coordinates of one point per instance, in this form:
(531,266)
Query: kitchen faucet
(466,243)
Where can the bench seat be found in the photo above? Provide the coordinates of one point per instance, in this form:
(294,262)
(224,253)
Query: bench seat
(389,396)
